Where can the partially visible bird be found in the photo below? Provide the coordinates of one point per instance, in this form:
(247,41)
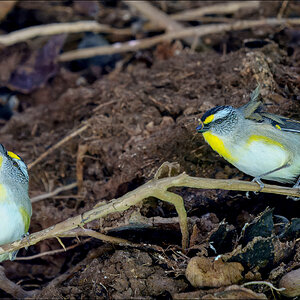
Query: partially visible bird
(15,205)
(260,144)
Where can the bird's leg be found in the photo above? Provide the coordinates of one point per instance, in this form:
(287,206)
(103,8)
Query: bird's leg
(257,179)
(26,235)
(296,186)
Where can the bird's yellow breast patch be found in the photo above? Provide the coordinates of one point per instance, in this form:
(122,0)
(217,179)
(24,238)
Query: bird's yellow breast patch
(25,217)
(13,155)
(217,144)
(264,139)
(209,119)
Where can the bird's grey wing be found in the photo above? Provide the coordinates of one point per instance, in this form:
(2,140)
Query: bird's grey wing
(282,123)
(251,108)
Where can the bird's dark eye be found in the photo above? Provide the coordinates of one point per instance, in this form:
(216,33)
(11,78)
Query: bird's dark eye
(219,121)
(15,164)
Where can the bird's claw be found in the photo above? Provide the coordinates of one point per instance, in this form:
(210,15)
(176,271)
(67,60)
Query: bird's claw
(260,183)
(296,186)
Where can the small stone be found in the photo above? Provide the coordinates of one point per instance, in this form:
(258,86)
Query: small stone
(291,283)
(166,121)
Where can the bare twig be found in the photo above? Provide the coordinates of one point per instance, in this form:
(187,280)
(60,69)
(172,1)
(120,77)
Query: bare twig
(82,149)
(97,235)
(92,26)
(60,143)
(6,7)
(283,7)
(12,288)
(198,31)
(91,255)
(155,15)
(54,193)
(67,138)
(156,188)
(52,252)
(222,8)
(56,28)
(269,284)
(100,106)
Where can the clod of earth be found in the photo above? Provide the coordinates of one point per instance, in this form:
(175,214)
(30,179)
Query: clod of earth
(204,272)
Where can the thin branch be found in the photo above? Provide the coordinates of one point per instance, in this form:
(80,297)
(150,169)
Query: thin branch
(54,193)
(222,8)
(197,31)
(12,288)
(60,143)
(157,16)
(97,235)
(56,28)
(283,7)
(67,138)
(154,188)
(92,26)
(52,252)
(269,284)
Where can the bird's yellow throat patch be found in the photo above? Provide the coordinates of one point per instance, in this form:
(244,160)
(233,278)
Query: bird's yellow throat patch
(218,145)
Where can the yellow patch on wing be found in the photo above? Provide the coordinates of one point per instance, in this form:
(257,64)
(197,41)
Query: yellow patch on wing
(264,139)
(2,193)
(278,127)
(13,155)
(25,217)
(218,145)
(209,119)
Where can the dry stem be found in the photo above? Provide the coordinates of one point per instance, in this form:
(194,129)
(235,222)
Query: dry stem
(63,141)
(156,188)
(222,8)
(196,31)
(157,16)
(52,29)
(92,26)
(12,288)
(54,193)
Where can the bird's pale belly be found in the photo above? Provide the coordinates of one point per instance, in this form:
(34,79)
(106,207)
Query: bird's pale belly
(11,223)
(261,155)
(257,156)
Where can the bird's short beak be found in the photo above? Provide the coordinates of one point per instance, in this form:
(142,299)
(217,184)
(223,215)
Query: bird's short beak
(202,127)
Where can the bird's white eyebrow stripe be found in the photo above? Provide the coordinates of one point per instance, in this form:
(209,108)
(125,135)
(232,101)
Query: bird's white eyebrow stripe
(221,114)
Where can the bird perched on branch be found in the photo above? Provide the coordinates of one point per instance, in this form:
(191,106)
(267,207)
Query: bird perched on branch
(260,144)
(15,205)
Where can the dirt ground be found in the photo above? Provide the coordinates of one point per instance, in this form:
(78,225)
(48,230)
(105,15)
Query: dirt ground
(140,117)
